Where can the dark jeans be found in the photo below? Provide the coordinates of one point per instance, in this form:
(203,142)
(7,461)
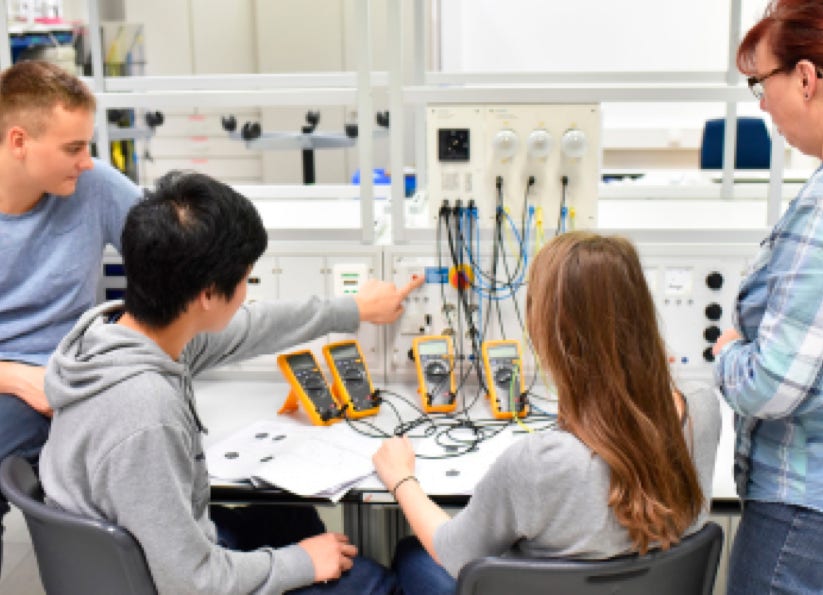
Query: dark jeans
(247,528)
(23,432)
(778,549)
(417,572)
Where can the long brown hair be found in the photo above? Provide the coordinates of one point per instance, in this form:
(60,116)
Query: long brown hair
(593,324)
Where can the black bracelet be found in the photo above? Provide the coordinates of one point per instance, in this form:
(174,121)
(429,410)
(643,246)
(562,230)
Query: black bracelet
(401,482)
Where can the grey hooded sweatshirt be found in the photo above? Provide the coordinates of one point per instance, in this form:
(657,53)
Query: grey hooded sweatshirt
(125,442)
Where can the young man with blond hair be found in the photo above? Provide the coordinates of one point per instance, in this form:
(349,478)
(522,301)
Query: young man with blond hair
(59,208)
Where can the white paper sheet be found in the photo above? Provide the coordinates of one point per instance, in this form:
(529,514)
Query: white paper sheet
(310,461)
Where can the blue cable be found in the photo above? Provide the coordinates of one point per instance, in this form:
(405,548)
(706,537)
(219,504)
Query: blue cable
(471,255)
(518,283)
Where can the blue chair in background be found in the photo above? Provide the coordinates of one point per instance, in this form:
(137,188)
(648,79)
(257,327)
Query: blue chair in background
(753,150)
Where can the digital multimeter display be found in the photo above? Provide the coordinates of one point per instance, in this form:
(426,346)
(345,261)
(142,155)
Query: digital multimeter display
(349,367)
(309,387)
(302,361)
(305,370)
(504,382)
(346,351)
(501,351)
(436,374)
(433,348)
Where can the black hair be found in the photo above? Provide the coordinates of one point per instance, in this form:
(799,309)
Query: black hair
(189,234)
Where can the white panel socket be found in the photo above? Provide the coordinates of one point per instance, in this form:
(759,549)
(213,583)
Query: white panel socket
(470,146)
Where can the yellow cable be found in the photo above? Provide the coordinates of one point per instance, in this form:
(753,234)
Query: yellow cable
(511,401)
(117,157)
(538,229)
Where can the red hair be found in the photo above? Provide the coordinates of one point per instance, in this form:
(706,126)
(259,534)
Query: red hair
(794,30)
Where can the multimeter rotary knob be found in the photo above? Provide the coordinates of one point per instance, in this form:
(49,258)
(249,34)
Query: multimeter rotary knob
(436,369)
(503,376)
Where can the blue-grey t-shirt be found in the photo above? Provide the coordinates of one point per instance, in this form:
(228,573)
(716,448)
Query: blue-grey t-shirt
(50,261)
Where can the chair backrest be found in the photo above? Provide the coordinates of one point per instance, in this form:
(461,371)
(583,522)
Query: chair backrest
(75,554)
(753,148)
(689,568)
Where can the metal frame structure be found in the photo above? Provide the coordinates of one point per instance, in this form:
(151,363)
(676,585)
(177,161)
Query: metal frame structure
(415,90)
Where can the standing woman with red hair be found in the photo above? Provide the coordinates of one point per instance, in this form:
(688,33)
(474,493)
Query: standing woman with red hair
(628,467)
(770,367)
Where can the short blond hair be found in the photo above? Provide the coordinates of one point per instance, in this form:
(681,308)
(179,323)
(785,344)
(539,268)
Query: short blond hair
(30,90)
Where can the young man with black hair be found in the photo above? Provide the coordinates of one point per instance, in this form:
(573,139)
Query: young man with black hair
(126,438)
(58,210)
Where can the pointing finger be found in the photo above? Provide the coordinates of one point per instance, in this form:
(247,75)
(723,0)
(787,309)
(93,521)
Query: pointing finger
(416,282)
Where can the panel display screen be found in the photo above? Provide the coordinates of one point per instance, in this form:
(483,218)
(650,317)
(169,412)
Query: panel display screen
(346,351)
(503,351)
(433,348)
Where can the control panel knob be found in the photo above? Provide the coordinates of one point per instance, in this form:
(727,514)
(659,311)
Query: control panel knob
(714,311)
(574,143)
(714,280)
(708,355)
(711,334)
(505,144)
(539,144)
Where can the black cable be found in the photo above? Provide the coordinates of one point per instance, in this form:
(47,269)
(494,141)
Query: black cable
(564,181)
(465,301)
(443,219)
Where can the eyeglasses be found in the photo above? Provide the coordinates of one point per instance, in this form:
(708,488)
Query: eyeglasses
(756,82)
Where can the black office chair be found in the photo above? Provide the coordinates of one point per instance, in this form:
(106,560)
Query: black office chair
(753,148)
(686,569)
(75,554)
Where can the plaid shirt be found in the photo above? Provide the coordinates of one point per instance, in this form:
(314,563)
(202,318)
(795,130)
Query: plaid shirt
(773,377)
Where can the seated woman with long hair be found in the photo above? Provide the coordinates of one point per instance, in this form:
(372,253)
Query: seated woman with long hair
(628,466)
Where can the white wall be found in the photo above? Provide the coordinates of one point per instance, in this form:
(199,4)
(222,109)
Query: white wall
(588,35)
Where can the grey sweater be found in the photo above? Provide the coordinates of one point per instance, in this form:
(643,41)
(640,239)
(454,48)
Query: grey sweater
(125,443)
(547,494)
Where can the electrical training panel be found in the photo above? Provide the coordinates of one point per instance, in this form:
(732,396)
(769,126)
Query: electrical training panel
(531,160)
(694,287)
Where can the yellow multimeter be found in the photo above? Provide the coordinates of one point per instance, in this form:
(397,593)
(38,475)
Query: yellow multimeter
(309,387)
(351,384)
(434,356)
(503,366)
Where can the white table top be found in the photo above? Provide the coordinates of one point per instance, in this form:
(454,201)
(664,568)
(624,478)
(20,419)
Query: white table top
(227,406)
